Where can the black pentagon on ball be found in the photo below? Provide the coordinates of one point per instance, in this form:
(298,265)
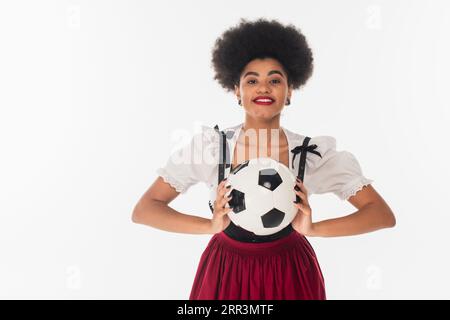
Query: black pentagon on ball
(237,201)
(269,178)
(273,218)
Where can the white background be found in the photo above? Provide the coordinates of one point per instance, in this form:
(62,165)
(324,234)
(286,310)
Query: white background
(94,93)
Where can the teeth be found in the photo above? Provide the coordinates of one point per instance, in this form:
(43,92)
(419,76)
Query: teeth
(264,100)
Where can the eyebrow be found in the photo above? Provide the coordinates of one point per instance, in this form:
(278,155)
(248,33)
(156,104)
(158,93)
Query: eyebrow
(269,73)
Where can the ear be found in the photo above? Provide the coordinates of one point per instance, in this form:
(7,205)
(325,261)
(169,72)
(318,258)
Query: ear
(237,92)
(289,93)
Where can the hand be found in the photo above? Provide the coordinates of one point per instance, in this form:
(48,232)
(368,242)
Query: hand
(302,222)
(220,219)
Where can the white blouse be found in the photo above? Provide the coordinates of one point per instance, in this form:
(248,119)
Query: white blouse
(336,171)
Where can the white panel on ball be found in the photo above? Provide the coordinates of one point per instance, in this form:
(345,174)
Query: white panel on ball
(263,195)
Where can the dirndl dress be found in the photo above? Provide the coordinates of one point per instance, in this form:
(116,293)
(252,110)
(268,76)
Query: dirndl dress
(283,269)
(238,265)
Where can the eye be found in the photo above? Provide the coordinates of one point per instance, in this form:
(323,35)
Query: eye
(273,81)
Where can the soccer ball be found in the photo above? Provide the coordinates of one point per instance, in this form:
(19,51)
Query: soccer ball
(263,195)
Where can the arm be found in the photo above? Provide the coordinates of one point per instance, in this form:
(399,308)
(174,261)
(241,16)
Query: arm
(373,214)
(153,210)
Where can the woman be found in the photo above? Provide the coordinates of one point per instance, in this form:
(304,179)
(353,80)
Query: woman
(262,62)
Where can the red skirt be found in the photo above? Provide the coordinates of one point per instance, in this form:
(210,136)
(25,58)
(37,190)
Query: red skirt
(286,269)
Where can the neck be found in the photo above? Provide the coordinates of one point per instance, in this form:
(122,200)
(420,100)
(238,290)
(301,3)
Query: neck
(257,124)
(256,132)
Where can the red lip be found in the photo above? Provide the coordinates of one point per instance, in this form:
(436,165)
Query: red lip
(264,103)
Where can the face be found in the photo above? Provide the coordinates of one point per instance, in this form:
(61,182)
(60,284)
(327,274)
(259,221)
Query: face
(263,77)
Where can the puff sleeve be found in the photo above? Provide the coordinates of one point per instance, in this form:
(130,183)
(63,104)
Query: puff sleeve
(192,163)
(338,172)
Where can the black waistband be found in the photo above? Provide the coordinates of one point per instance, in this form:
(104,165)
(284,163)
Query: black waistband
(237,233)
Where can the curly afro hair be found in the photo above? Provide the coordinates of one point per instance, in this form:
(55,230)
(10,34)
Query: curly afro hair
(261,39)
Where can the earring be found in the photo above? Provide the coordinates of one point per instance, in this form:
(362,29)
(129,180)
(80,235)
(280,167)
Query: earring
(288,102)
(239,102)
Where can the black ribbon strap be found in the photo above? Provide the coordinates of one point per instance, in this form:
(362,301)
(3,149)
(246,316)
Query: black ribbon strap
(224,159)
(300,149)
(223,154)
(301,166)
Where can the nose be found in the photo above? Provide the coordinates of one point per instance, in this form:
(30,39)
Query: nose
(263,87)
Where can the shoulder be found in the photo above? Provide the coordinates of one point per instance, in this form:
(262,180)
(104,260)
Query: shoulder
(210,137)
(323,145)
(206,142)
(336,171)
(323,142)
(194,159)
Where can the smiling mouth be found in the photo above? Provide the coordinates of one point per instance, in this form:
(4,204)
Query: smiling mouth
(264,102)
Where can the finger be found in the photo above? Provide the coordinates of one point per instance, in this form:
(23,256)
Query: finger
(298,205)
(301,186)
(223,194)
(224,211)
(303,208)
(301,195)
(222,184)
(219,190)
(228,190)
(300,192)
(222,189)
(225,200)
